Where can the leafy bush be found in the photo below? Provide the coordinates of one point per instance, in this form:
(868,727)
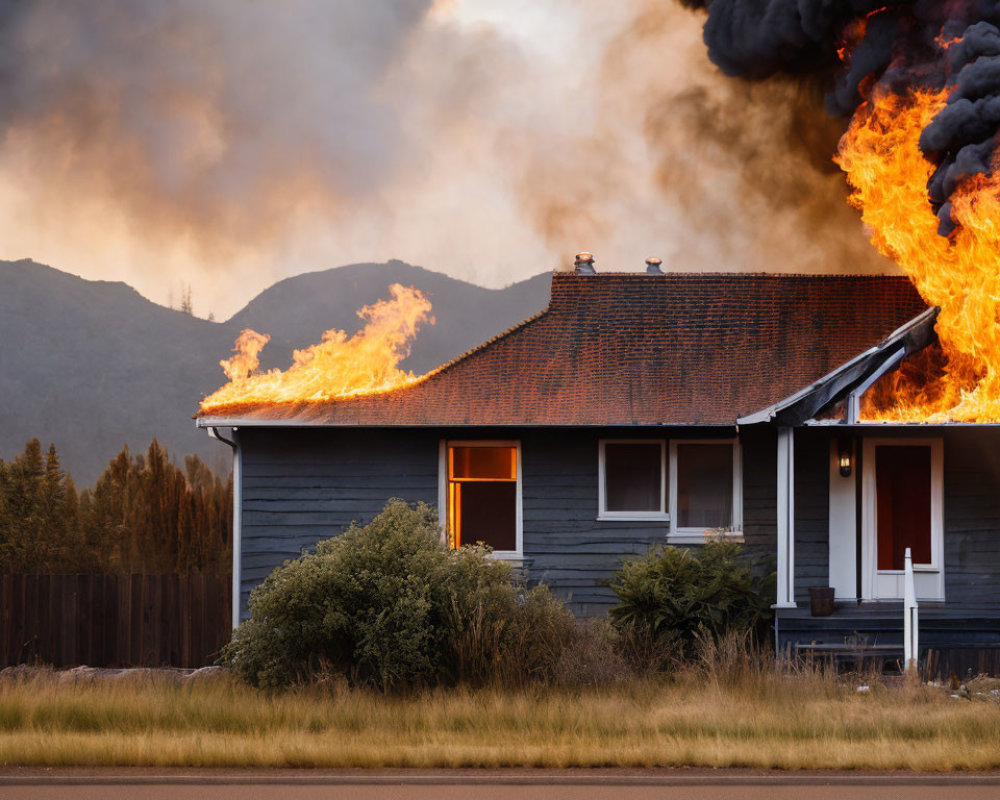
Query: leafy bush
(672,599)
(387,605)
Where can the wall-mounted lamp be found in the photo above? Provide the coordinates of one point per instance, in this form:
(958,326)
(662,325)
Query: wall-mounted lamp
(844,455)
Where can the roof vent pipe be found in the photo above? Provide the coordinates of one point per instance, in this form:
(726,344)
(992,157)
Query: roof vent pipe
(653,266)
(585,264)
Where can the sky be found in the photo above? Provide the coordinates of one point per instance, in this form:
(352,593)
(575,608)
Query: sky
(223,145)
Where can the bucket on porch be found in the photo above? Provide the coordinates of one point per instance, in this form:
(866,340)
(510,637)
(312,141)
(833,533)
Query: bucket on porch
(821,601)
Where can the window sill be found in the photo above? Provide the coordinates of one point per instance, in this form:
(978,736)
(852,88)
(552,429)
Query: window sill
(700,537)
(624,516)
(506,555)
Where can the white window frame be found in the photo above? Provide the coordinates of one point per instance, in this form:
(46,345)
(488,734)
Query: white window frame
(509,555)
(697,535)
(662,515)
(668,489)
(929,577)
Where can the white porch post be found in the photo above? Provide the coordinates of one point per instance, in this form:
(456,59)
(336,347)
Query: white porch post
(786,518)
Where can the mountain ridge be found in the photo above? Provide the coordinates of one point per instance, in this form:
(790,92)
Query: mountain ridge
(94,365)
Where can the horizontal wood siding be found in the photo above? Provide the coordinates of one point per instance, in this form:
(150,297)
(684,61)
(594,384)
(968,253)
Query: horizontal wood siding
(304,485)
(760,498)
(812,511)
(972,517)
(565,545)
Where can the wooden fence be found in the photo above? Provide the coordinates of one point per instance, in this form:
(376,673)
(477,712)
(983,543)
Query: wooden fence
(113,620)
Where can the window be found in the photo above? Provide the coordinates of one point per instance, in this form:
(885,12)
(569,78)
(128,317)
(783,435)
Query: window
(632,480)
(696,491)
(483,498)
(706,492)
(704,485)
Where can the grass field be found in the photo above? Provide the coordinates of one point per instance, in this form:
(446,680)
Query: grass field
(714,718)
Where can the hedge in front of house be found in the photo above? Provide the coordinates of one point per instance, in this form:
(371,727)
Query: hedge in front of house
(673,597)
(387,605)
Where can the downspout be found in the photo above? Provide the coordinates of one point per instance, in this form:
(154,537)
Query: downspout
(237,516)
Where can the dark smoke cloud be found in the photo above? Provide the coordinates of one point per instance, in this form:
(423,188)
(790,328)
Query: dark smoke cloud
(903,45)
(758,38)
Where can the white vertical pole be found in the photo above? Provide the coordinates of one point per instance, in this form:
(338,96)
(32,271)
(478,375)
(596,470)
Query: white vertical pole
(910,621)
(786,519)
(237,527)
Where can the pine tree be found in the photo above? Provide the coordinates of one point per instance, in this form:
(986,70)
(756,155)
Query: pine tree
(186,305)
(143,515)
(52,531)
(77,557)
(22,536)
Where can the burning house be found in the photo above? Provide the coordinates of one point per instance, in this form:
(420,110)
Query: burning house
(834,422)
(649,409)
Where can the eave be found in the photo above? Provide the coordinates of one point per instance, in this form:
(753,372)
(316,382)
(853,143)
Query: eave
(263,422)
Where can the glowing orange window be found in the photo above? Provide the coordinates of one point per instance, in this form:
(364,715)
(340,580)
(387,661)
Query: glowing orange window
(482,495)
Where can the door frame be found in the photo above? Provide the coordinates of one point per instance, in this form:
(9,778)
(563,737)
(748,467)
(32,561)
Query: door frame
(879,584)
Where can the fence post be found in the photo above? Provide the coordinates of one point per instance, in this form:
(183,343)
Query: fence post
(911,625)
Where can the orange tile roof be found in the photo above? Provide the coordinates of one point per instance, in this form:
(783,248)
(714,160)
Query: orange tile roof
(636,349)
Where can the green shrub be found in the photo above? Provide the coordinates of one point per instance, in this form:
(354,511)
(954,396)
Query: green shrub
(387,605)
(671,599)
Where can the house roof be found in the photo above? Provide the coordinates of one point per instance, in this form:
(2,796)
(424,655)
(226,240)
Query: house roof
(635,349)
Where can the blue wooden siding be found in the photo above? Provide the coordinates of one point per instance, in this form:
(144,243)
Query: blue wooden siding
(760,499)
(303,485)
(972,517)
(565,546)
(812,511)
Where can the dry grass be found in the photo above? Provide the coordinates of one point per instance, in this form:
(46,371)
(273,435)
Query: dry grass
(726,712)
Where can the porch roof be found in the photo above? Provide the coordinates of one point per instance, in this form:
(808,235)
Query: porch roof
(622,349)
(852,377)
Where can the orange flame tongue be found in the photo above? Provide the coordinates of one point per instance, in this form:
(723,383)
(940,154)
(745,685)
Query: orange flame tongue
(245,355)
(338,367)
(961,273)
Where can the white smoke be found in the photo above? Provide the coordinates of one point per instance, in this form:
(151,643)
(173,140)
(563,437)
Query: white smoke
(227,144)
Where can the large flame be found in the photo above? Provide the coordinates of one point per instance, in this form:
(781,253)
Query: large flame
(338,367)
(886,169)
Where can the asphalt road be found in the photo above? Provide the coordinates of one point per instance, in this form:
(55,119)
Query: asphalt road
(554,785)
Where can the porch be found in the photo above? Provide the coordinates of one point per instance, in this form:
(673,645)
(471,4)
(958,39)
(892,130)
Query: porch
(832,531)
(959,639)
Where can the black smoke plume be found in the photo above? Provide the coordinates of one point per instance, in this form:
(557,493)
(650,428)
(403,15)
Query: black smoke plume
(853,46)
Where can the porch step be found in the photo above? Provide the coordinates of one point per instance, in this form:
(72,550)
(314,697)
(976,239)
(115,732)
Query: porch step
(856,655)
